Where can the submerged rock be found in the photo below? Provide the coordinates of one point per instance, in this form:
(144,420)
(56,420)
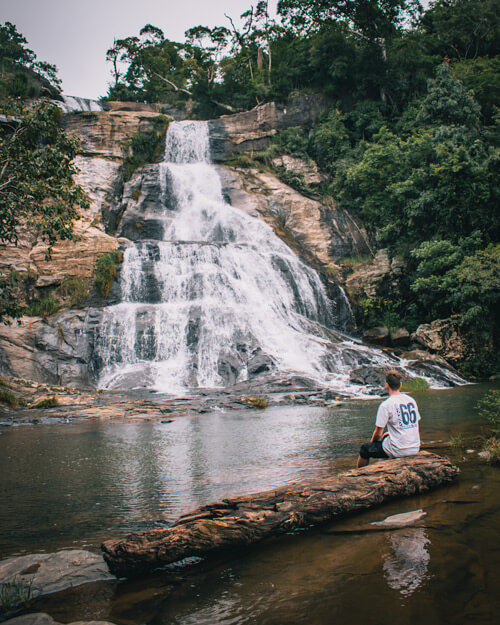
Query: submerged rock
(404,519)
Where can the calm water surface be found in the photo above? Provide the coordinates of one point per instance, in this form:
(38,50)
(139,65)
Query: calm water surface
(74,485)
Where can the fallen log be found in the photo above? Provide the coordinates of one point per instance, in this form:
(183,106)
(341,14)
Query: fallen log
(241,521)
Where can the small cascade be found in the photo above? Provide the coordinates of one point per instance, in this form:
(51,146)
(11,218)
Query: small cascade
(73,104)
(217,298)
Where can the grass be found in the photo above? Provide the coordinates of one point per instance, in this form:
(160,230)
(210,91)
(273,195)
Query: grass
(415,384)
(47,402)
(74,288)
(9,399)
(106,270)
(456,441)
(146,146)
(14,594)
(242,160)
(43,307)
(355,261)
(255,401)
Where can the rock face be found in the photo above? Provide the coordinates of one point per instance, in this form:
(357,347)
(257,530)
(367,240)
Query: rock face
(323,233)
(307,169)
(52,572)
(252,130)
(442,337)
(368,280)
(241,521)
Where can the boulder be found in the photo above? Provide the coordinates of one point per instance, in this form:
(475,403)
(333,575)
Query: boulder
(379,335)
(400,337)
(442,337)
(368,375)
(52,572)
(381,274)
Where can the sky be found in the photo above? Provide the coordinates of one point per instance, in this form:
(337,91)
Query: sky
(75,34)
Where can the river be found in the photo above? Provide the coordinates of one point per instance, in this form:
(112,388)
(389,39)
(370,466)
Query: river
(74,485)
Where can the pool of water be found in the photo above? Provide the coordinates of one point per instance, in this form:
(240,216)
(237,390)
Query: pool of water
(77,484)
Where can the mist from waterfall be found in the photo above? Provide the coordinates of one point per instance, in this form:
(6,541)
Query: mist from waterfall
(220,298)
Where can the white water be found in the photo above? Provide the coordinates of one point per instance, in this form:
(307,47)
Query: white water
(73,104)
(225,285)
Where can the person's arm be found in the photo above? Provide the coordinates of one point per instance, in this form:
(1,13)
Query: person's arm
(378,434)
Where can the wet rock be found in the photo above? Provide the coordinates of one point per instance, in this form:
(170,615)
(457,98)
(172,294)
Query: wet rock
(404,519)
(378,335)
(52,572)
(369,376)
(229,366)
(259,363)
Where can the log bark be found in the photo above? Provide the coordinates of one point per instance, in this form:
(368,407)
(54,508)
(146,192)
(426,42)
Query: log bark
(241,521)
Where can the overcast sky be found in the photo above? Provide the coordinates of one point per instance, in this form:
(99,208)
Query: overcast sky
(74,35)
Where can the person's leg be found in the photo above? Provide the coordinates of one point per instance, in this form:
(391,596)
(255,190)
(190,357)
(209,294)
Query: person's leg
(363,462)
(370,450)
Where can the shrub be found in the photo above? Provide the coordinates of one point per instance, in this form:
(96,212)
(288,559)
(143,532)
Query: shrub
(489,409)
(106,270)
(491,450)
(415,384)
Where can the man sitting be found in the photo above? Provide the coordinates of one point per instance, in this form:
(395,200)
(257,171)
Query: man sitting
(400,413)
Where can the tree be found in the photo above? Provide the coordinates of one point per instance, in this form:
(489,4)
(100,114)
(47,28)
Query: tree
(20,73)
(463,29)
(36,174)
(371,19)
(438,179)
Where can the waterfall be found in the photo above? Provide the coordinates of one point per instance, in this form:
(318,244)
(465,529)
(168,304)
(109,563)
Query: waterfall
(217,297)
(73,104)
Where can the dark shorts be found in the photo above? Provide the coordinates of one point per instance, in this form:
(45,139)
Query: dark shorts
(372,450)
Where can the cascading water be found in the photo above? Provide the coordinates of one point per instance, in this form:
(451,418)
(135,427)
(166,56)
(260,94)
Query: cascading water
(220,298)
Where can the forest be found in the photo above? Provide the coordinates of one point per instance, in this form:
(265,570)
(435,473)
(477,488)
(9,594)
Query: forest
(410,142)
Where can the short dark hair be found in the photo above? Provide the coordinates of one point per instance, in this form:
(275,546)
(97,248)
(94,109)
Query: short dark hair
(394,379)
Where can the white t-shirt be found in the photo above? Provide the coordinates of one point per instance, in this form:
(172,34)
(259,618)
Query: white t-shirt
(400,414)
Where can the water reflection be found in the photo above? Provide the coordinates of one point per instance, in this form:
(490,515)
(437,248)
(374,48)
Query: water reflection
(405,567)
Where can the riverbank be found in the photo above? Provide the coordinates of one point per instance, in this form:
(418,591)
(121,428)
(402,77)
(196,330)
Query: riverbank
(28,402)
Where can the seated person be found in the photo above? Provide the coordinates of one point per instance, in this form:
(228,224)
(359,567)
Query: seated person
(400,414)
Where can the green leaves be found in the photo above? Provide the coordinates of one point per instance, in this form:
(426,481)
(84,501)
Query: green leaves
(36,175)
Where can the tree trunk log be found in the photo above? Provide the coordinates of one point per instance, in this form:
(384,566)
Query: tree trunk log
(241,521)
